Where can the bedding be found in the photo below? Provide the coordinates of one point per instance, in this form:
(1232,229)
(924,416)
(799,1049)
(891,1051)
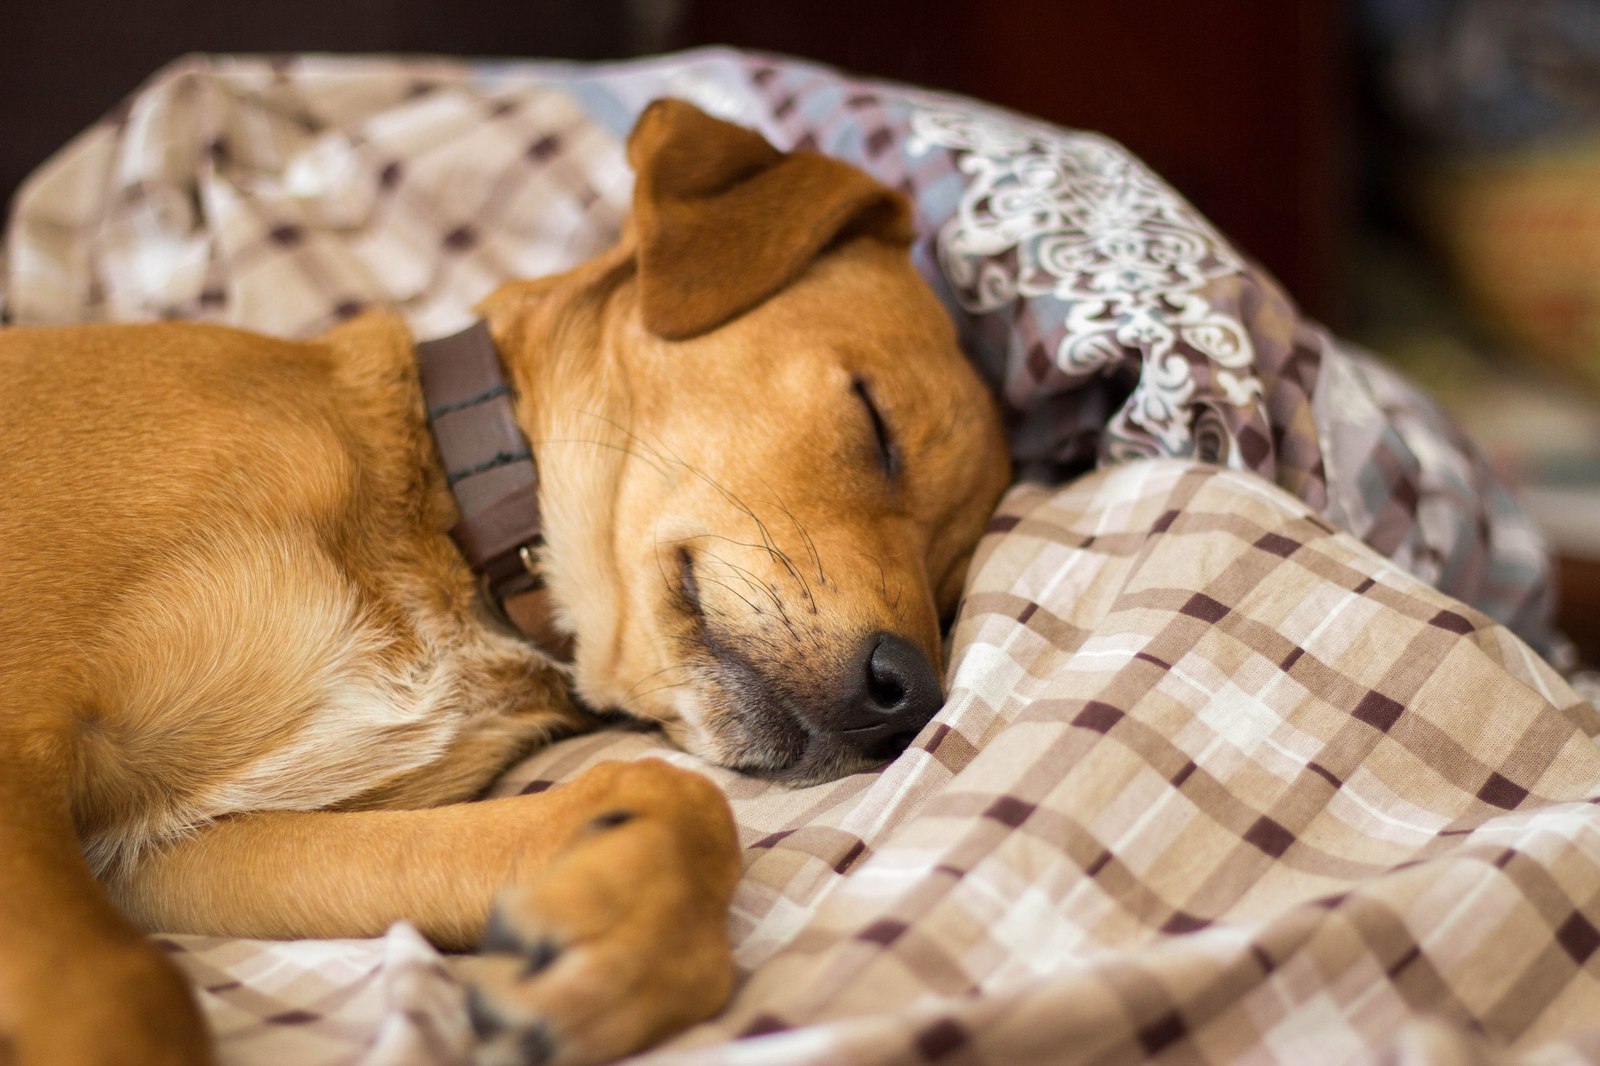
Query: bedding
(1258,746)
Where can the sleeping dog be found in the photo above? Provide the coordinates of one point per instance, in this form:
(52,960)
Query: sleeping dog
(256,632)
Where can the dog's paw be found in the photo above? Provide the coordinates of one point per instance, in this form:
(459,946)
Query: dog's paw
(621,940)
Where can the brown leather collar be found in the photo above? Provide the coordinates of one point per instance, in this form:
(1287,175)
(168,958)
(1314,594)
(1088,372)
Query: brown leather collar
(490,469)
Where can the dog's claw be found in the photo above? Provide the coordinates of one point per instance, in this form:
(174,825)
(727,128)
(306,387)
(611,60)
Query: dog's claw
(539,957)
(486,1024)
(536,1046)
(526,1045)
(622,940)
(498,937)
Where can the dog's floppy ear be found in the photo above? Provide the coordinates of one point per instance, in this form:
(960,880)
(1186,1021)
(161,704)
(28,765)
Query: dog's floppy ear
(724,220)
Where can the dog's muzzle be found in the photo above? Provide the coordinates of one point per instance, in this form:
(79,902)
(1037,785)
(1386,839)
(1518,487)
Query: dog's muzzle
(802,730)
(877,704)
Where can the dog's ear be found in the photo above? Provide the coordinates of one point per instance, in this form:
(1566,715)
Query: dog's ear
(724,220)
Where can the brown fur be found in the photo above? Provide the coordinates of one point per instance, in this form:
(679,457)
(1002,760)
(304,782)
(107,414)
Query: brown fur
(245,673)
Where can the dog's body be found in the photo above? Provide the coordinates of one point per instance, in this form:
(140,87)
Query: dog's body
(245,671)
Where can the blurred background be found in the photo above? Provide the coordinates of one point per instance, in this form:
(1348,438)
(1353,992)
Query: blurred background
(1423,175)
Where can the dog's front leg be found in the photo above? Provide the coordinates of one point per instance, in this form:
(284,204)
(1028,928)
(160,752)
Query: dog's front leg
(78,985)
(600,906)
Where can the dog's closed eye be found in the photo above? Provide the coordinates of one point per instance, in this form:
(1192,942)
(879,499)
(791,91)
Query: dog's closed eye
(888,452)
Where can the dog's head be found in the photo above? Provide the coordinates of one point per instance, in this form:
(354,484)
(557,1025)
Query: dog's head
(765,461)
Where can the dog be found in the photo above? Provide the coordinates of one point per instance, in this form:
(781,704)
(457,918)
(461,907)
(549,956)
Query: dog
(253,663)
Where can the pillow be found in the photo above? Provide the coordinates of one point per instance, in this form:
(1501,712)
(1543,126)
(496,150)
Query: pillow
(1112,319)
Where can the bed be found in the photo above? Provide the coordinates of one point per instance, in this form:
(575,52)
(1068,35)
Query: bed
(1260,746)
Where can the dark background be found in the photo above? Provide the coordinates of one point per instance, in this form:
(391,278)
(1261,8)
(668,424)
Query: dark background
(1243,105)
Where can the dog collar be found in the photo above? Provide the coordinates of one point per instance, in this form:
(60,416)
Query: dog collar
(490,469)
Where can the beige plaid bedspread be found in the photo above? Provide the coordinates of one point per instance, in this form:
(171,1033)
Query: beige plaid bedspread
(1215,783)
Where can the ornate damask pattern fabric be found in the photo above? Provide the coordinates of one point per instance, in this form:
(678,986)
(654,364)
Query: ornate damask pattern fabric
(1077,219)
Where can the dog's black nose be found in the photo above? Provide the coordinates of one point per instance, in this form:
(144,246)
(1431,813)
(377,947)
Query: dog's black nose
(899,692)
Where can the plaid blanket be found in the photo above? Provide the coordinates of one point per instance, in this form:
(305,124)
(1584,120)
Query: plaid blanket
(1216,783)
(1223,777)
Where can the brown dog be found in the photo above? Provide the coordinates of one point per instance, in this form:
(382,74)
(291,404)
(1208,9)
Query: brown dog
(246,673)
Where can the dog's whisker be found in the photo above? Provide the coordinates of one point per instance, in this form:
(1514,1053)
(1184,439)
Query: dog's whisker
(662,688)
(544,442)
(744,508)
(805,537)
(781,557)
(719,536)
(747,602)
(653,452)
(663,453)
(750,578)
(731,540)
(883,574)
(743,575)
(633,690)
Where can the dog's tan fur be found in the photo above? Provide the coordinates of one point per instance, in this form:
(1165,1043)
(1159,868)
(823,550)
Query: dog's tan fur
(244,671)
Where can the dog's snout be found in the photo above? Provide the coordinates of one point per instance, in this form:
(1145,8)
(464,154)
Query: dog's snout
(897,692)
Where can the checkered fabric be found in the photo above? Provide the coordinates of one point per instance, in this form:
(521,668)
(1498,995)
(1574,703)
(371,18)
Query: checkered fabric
(1217,781)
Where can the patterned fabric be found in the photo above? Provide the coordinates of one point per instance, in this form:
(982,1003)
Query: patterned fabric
(1115,322)
(1217,782)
